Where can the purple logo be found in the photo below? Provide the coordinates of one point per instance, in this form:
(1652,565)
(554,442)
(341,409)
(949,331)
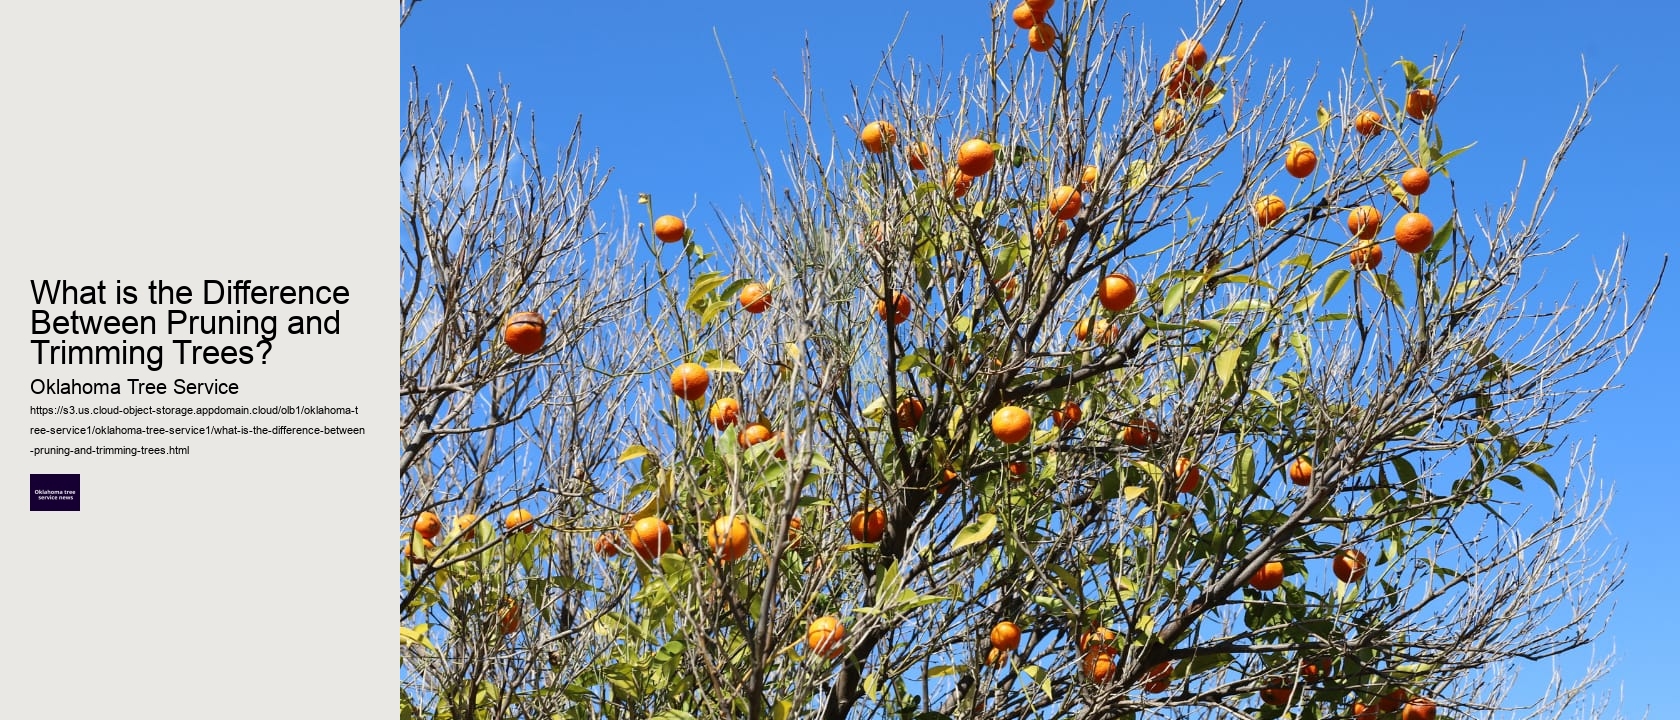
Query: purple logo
(55,492)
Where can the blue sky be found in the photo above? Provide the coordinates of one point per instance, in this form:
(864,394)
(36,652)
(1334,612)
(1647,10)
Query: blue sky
(650,86)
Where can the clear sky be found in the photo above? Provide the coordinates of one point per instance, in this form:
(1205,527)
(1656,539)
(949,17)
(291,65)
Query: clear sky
(650,85)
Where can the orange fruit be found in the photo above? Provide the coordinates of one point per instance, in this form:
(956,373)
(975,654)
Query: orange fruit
(523,332)
(1040,6)
(958,182)
(878,136)
(1368,255)
(606,545)
(1420,104)
(975,157)
(689,381)
(793,533)
(1169,122)
(465,522)
(1415,181)
(724,412)
(919,154)
(1104,332)
(1309,671)
(1392,701)
(1368,123)
(1140,433)
(1100,666)
(1349,566)
(1065,202)
(520,519)
(824,636)
(755,298)
(1418,708)
(1041,37)
(1052,231)
(1300,471)
(1088,178)
(950,483)
(1361,711)
(1268,577)
(669,228)
(1268,209)
(1176,77)
(1275,693)
(1011,424)
(1006,636)
(1025,17)
(428,525)
(1019,468)
(1008,286)
(508,621)
(729,537)
(1068,416)
(426,547)
(1116,292)
(996,657)
(1158,677)
(1191,53)
(901,308)
(909,412)
(1189,476)
(868,525)
(650,537)
(1300,160)
(1100,640)
(754,434)
(1414,232)
(1364,222)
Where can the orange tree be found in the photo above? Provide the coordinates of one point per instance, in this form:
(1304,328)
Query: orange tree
(1100,378)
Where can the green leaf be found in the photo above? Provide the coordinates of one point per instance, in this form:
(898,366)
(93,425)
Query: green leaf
(632,452)
(723,366)
(976,531)
(1334,283)
(1041,677)
(1389,288)
(1541,472)
(1225,365)
(941,670)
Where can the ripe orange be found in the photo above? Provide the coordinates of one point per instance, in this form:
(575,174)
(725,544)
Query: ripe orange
(1176,77)
(793,533)
(1309,671)
(1368,123)
(868,525)
(1100,640)
(1099,328)
(1006,636)
(1300,471)
(1415,181)
(1011,424)
(464,523)
(996,657)
(918,154)
(1100,666)
(901,308)
(1300,160)
(1349,566)
(755,298)
(428,525)
(1019,468)
(606,545)
(523,332)
(754,434)
(1025,17)
(724,412)
(1068,416)
(1269,577)
(1275,692)
(1116,292)
(1140,433)
(669,228)
(1368,255)
(878,136)
(1420,104)
(1088,178)
(1041,37)
(824,636)
(1065,202)
(650,537)
(1361,711)
(1392,700)
(729,537)
(958,182)
(909,412)
(1041,6)
(689,381)
(426,547)
(1364,222)
(1008,286)
(951,478)
(1052,231)
(1158,677)
(781,446)
(508,621)
(1414,232)
(1418,708)
(1192,53)
(1268,209)
(975,157)
(520,519)
(1189,476)
(1169,122)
